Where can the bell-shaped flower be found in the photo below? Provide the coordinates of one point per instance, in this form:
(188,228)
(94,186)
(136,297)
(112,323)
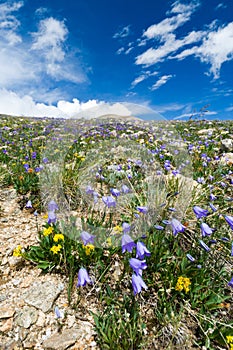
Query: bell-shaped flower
(138,284)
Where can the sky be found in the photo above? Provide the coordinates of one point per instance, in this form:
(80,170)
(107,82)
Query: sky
(128,57)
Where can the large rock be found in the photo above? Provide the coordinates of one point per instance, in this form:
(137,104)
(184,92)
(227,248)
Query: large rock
(27,316)
(61,341)
(226,145)
(43,294)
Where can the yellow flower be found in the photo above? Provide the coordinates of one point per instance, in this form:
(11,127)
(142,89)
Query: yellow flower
(229,339)
(48,231)
(118,229)
(88,248)
(56,248)
(45,216)
(109,241)
(183,283)
(58,236)
(17,251)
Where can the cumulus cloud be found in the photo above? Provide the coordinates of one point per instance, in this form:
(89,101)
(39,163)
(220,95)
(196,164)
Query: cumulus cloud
(9,23)
(41,60)
(216,48)
(171,45)
(163,80)
(212,46)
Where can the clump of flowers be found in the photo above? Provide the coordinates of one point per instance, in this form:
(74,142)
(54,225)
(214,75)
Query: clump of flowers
(229,339)
(17,251)
(183,283)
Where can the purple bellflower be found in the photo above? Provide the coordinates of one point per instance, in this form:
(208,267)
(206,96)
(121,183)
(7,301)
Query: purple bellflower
(83,277)
(127,243)
(87,237)
(177,226)
(109,201)
(126,227)
(51,217)
(141,251)
(229,220)
(204,246)
(137,265)
(199,212)
(52,206)
(230,284)
(138,284)
(206,230)
(142,209)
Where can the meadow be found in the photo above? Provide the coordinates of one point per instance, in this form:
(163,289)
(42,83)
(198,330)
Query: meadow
(137,214)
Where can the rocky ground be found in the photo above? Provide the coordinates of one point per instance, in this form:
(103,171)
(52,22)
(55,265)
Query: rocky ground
(28,297)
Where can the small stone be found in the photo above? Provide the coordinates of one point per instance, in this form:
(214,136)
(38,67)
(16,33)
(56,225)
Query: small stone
(27,317)
(6,312)
(70,321)
(7,325)
(42,295)
(61,341)
(41,319)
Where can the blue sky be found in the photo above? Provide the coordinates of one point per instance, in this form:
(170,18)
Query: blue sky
(62,58)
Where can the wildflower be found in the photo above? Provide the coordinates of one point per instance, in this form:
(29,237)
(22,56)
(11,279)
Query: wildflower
(28,204)
(127,243)
(137,265)
(109,241)
(48,231)
(138,284)
(141,250)
(229,339)
(89,190)
(115,192)
(229,220)
(56,248)
(199,212)
(206,230)
(17,251)
(58,312)
(158,227)
(58,237)
(52,206)
(126,227)
(117,229)
(231,283)
(183,283)
(190,257)
(212,207)
(177,226)
(87,237)
(204,246)
(51,217)
(125,189)
(83,277)
(88,248)
(212,197)
(109,201)
(142,209)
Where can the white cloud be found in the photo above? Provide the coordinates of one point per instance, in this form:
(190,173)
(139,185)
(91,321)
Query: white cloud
(177,7)
(49,40)
(171,45)
(9,24)
(216,48)
(229,109)
(168,25)
(142,77)
(163,80)
(122,33)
